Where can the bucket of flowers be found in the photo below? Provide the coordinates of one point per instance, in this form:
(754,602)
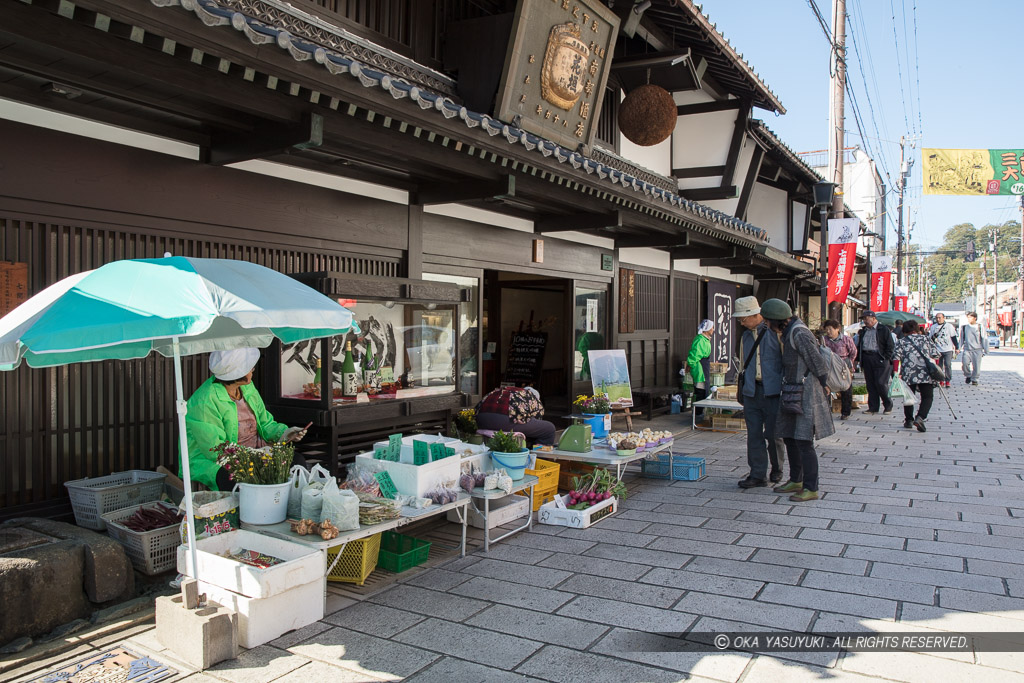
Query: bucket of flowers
(261,476)
(597,410)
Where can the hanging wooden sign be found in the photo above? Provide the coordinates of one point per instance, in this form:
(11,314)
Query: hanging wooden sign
(627,301)
(13,285)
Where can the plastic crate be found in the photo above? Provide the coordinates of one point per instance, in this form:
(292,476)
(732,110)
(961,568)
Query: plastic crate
(546,472)
(541,496)
(501,511)
(399,552)
(721,423)
(684,468)
(151,552)
(358,560)
(92,498)
(571,470)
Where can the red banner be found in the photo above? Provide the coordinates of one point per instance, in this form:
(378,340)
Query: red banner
(901,303)
(842,257)
(1006,319)
(881,278)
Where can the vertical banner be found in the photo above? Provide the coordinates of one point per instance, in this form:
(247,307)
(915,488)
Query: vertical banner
(881,277)
(720,299)
(842,256)
(901,298)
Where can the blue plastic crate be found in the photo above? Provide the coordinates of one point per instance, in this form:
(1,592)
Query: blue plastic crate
(684,468)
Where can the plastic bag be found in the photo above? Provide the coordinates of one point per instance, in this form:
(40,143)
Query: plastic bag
(341,506)
(312,493)
(361,480)
(896,387)
(216,512)
(299,478)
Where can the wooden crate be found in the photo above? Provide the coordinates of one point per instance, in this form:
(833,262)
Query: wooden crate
(722,423)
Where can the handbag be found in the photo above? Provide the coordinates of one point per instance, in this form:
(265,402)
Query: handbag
(934,371)
(792,399)
(741,375)
(896,387)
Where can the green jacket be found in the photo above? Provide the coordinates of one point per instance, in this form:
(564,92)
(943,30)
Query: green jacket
(700,349)
(212,419)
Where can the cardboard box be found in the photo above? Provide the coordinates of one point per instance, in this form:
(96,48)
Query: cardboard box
(550,513)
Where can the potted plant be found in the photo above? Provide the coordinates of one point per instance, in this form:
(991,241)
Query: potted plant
(465,426)
(598,410)
(508,450)
(262,476)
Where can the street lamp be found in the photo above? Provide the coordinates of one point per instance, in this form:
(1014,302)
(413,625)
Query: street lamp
(823,193)
(873,236)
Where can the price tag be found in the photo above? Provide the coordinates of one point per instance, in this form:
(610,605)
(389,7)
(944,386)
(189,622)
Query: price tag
(420,452)
(438,451)
(395,447)
(380,452)
(387,487)
(387,374)
(449,451)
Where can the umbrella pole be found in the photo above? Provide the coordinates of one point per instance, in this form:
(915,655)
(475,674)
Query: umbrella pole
(182,409)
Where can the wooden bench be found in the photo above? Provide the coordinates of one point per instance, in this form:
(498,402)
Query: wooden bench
(645,397)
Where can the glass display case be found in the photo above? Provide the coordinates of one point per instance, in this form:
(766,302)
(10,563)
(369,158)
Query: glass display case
(403,350)
(398,373)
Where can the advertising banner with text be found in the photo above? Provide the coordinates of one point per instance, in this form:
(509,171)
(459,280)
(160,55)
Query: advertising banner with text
(881,278)
(972,171)
(842,257)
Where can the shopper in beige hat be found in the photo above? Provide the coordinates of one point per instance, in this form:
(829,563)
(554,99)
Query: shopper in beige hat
(759,393)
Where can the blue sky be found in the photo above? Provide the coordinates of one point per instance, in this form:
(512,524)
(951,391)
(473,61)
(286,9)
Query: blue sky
(970,92)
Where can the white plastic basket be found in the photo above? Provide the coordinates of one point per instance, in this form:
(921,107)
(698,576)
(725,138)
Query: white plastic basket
(501,511)
(151,552)
(92,498)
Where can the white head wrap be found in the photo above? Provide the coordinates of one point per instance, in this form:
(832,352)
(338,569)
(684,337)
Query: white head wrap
(705,326)
(234,363)
(536,394)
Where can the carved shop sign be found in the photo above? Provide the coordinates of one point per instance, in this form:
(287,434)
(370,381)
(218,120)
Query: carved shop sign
(556,69)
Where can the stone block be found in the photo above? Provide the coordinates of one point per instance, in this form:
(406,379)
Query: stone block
(200,638)
(40,592)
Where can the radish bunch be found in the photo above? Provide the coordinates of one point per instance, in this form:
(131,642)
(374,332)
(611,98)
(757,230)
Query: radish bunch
(593,488)
(590,498)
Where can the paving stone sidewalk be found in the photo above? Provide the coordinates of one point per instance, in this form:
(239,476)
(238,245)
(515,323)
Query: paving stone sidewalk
(915,532)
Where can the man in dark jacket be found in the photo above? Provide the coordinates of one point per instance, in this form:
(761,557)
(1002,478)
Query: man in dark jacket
(762,385)
(875,351)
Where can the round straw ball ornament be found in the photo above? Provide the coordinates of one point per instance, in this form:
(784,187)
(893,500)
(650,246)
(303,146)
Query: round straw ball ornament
(647,115)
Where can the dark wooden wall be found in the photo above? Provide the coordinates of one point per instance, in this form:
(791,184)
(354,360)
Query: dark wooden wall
(69,204)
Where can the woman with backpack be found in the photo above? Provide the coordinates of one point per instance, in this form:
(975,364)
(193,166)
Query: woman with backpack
(841,345)
(804,413)
(913,353)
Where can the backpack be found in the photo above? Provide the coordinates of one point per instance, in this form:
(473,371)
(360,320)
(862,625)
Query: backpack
(839,376)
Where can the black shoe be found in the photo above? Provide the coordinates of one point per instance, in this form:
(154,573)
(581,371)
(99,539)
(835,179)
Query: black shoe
(844,417)
(974,383)
(888,409)
(775,477)
(919,423)
(967,379)
(750,483)
(871,412)
(907,424)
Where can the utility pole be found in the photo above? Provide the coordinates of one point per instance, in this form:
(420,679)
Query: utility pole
(995,279)
(836,124)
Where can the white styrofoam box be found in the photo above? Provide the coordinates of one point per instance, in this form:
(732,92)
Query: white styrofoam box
(260,620)
(478,462)
(414,480)
(501,511)
(301,565)
(551,513)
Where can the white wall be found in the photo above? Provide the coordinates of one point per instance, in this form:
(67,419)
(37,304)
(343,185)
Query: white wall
(693,267)
(657,158)
(769,209)
(645,256)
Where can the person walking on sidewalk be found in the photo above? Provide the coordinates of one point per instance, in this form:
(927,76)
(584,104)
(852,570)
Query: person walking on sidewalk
(759,393)
(913,353)
(943,335)
(875,349)
(841,345)
(973,345)
(804,413)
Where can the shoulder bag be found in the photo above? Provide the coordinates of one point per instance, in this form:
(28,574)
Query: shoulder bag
(934,371)
(743,373)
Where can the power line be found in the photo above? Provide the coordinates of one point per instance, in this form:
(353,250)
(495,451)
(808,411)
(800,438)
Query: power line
(899,66)
(917,70)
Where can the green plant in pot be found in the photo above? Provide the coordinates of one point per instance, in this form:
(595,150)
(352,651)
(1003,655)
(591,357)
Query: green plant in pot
(506,442)
(508,451)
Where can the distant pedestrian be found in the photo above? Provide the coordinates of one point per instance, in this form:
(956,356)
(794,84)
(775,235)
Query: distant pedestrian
(844,347)
(699,362)
(943,335)
(759,393)
(973,345)
(875,348)
(804,413)
(914,352)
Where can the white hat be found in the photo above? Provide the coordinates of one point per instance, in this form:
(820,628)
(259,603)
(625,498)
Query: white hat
(233,364)
(746,305)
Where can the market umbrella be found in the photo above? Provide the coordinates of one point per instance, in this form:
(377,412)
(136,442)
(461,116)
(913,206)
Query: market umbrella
(893,318)
(175,306)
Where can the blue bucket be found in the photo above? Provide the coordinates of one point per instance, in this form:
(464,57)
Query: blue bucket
(597,424)
(514,463)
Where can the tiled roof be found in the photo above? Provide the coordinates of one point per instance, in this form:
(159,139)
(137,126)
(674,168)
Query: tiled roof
(259,33)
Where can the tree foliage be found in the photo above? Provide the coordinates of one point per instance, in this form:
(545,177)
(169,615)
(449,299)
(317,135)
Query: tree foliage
(953,272)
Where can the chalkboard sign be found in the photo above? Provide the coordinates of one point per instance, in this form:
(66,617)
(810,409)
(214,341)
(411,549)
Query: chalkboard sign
(525,357)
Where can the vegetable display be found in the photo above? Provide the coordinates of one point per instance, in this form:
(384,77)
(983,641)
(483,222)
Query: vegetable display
(506,442)
(152,518)
(593,488)
(305,527)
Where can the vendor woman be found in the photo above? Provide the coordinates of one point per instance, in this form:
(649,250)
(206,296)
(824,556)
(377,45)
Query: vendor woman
(699,362)
(227,407)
